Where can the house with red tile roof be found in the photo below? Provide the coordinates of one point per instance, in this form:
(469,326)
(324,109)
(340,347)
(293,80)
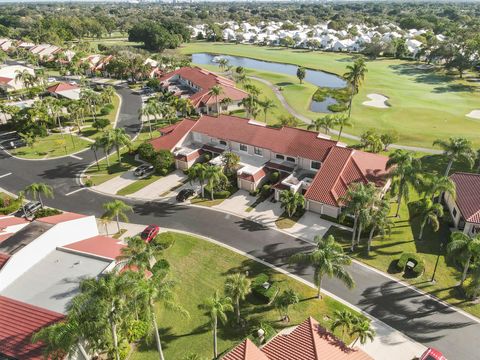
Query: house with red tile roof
(465,207)
(307,341)
(65,90)
(196,84)
(319,168)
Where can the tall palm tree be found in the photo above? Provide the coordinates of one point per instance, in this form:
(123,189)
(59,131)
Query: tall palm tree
(214,176)
(237,287)
(266,106)
(355,75)
(223,63)
(225,102)
(250,104)
(119,139)
(405,173)
(379,220)
(327,259)
(216,91)
(198,172)
(343,319)
(435,185)
(217,308)
(139,253)
(363,331)
(230,162)
(147,110)
(106,143)
(359,201)
(95,146)
(430,213)
(291,201)
(342,120)
(117,210)
(325,123)
(466,247)
(39,189)
(456,149)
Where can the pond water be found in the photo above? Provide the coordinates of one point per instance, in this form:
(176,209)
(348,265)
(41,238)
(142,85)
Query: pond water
(322,106)
(316,77)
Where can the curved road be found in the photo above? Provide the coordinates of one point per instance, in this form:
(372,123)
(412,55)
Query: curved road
(418,316)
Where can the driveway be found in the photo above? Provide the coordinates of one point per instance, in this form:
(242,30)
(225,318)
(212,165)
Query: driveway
(113,185)
(161,187)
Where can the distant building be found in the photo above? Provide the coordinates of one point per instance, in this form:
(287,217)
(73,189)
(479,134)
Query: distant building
(8,81)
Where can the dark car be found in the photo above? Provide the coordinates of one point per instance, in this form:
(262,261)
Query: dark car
(14,144)
(185,194)
(149,233)
(432,354)
(32,207)
(143,169)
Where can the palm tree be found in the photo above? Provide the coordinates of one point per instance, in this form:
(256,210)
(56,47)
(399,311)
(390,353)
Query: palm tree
(250,104)
(237,287)
(478,161)
(216,91)
(359,201)
(342,120)
(283,302)
(97,144)
(466,247)
(266,106)
(217,308)
(291,201)
(116,209)
(147,110)
(456,149)
(343,319)
(230,162)
(119,138)
(139,253)
(328,259)
(39,189)
(106,143)
(405,173)
(430,213)
(355,75)
(363,331)
(223,63)
(325,123)
(198,172)
(435,185)
(379,220)
(225,102)
(214,176)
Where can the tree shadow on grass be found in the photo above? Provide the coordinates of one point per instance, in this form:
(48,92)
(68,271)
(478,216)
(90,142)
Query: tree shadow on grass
(421,74)
(455,88)
(284,83)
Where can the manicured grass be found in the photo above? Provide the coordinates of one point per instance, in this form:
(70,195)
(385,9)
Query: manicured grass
(52,146)
(285,222)
(138,185)
(206,202)
(105,173)
(425,104)
(199,268)
(404,238)
(91,132)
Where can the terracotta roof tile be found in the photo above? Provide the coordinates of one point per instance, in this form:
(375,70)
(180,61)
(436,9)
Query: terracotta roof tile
(5,236)
(62,87)
(7,221)
(65,216)
(468,195)
(103,246)
(246,350)
(170,140)
(3,259)
(18,322)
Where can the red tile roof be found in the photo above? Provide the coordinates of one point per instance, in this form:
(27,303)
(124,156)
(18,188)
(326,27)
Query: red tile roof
(170,140)
(7,221)
(308,341)
(5,236)
(103,246)
(3,259)
(18,322)
(62,87)
(246,350)
(255,177)
(343,167)
(468,195)
(65,216)
(5,80)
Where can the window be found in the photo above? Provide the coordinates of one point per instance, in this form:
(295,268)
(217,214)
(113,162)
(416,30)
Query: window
(257,151)
(223,142)
(454,212)
(279,157)
(315,165)
(290,159)
(243,147)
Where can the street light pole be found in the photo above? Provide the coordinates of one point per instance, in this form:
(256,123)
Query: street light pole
(432,280)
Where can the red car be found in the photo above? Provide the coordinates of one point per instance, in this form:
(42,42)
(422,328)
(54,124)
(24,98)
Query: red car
(149,233)
(432,354)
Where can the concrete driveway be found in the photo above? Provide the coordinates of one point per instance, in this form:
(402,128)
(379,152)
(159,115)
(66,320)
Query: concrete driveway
(161,187)
(113,185)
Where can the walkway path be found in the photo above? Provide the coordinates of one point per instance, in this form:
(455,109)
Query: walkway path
(307,120)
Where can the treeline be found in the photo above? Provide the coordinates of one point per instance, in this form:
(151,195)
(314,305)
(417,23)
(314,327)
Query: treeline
(158,36)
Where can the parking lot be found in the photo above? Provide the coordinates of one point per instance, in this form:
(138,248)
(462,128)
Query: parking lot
(10,140)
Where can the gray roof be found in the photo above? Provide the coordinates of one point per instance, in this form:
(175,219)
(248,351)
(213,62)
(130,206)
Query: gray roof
(24,237)
(54,281)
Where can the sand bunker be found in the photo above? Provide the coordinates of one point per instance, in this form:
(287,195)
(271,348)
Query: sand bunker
(474,114)
(377,100)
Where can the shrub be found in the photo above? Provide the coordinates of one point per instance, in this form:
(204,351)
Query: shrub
(266,190)
(164,240)
(137,330)
(222,194)
(46,212)
(267,295)
(146,151)
(163,162)
(273,177)
(8,205)
(107,109)
(88,183)
(418,269)
(100,123)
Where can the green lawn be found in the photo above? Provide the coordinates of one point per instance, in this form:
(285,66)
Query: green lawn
(52,146)
(426,104)
(91,132)
(138,185)
(99,176)
(385,251)
(200,268)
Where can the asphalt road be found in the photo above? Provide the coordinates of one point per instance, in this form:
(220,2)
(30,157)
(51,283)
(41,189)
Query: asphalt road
(418,316)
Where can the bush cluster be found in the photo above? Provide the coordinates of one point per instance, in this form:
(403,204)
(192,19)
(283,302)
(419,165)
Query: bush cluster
(418,269)
(46,212)
(267,295)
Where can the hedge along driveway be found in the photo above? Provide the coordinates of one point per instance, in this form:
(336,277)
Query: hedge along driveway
(426,104)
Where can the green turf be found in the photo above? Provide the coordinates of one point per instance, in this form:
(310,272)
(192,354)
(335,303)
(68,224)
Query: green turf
(199,268)
(425,104)
(138,185)
(52,146)
(91,132)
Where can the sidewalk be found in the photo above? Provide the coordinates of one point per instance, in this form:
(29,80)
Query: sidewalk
(113,185)
(159,188)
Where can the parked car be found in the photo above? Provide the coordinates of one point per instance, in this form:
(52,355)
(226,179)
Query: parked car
(143,169)
(432,354)
(51,80)
(149,233)
(16,144)
(185,194)
(32,207)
